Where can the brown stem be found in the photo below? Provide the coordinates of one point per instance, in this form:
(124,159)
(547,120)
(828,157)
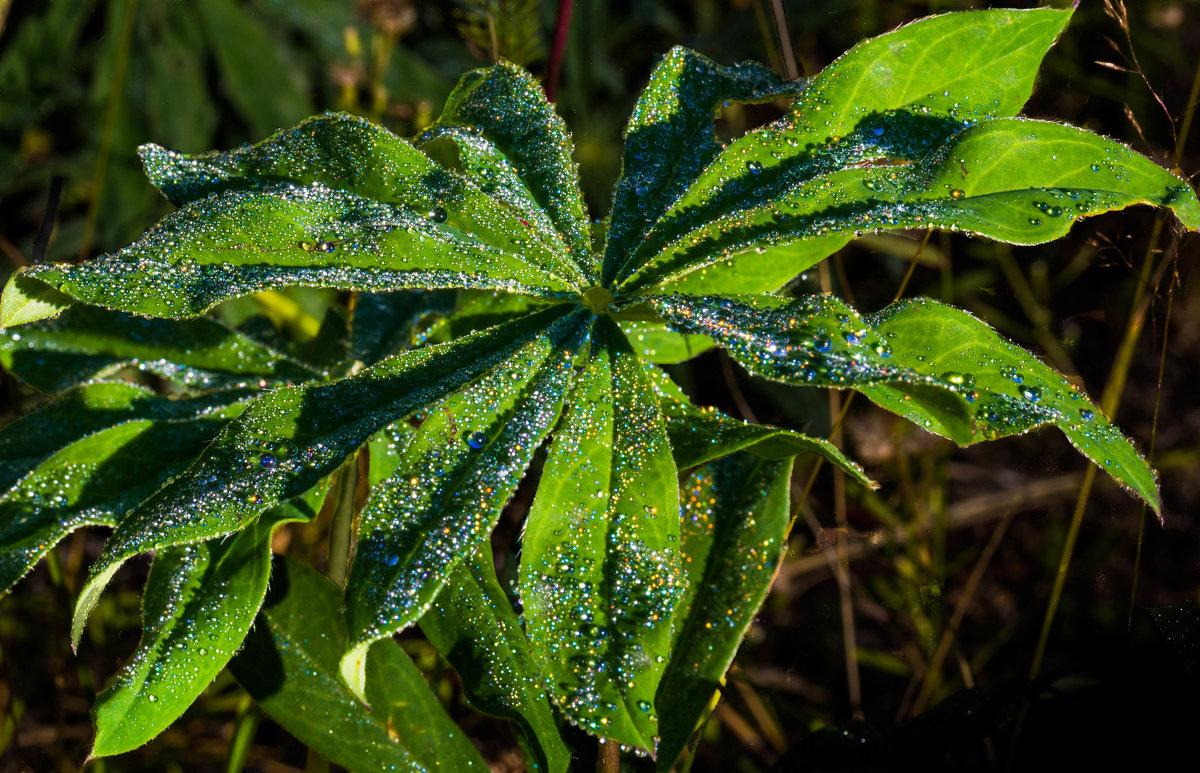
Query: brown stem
(562,25)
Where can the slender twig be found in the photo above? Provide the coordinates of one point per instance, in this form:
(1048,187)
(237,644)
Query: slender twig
(562,28)
(785,41)
(42,241)
(110,124)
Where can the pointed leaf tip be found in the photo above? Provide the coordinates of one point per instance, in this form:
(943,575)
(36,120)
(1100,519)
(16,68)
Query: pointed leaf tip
(26,299)
(354,671)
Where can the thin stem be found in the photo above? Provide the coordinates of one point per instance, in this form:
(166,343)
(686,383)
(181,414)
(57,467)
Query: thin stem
(562,28)
(342,524)
(610,756)
(110,124)
(785,41)
(245,726)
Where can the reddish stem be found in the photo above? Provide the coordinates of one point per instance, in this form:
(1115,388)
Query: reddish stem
(562,25)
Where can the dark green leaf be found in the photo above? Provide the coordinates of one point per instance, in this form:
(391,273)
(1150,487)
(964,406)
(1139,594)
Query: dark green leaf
(258,75)
(507,107)
(290,438)
(473,626)
(735,523)
(199,603)
(88,342)
(600,570)
(452,482)
(290,666)
(670,139)
(383,324)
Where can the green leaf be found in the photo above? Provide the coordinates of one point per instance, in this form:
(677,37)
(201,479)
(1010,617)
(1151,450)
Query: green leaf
(290,666)
(86,343)
(735,521)
(241,242)
(451,484)
(27,299)
(818,340)
(671,138)
(1010,391)
(473,626)
(383,324)
(658,343)
(1011,179)
(198,605)
(258,76)
(700,435)
(288,439)
(600,570)
(87,458)
(508,108)
(935,365)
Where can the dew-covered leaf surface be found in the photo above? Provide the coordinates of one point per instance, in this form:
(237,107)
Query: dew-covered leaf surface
(1010,391)
(291,437)
(600,557)
(198,605)
(817,340)
(383,324)
(290,666)
(670,139)
(88,457)
(507,108)
(87,342)
(937,366)
(735,517)
(474,627)
(1011,179)
(236,243)
(700,435)
(452,481)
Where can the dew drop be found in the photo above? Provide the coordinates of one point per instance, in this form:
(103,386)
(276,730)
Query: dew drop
(754,167)
(438,215)
(476,440)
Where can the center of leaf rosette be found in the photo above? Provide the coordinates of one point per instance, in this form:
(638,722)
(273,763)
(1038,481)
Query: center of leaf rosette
(597,299)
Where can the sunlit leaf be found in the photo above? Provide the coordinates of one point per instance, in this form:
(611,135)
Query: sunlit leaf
(657,342)
(474,627)
(508,108)
(1012,179)
(935,365)
(452,481)
(290,666)
(670,140)
(735,520)
(198,605)
(600,568)
(26,300)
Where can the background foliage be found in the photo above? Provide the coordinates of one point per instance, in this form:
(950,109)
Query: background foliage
(85,82)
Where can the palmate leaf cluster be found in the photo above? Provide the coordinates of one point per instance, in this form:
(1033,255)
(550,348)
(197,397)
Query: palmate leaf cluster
(656,525)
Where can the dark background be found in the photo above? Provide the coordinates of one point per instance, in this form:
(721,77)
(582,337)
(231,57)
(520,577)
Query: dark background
(83,83)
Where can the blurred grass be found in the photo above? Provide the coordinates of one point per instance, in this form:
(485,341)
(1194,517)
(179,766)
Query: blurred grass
(931,582)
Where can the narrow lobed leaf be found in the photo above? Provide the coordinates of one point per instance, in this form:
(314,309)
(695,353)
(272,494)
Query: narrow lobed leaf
(87,342)
(290,438)
(601,571)
(198,605)
(453,480)
(670,140)
(735,519)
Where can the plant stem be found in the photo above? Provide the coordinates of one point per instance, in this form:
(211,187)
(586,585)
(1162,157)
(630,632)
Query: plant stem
(610,756)
(562,26)
(342,524)
(244,728)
